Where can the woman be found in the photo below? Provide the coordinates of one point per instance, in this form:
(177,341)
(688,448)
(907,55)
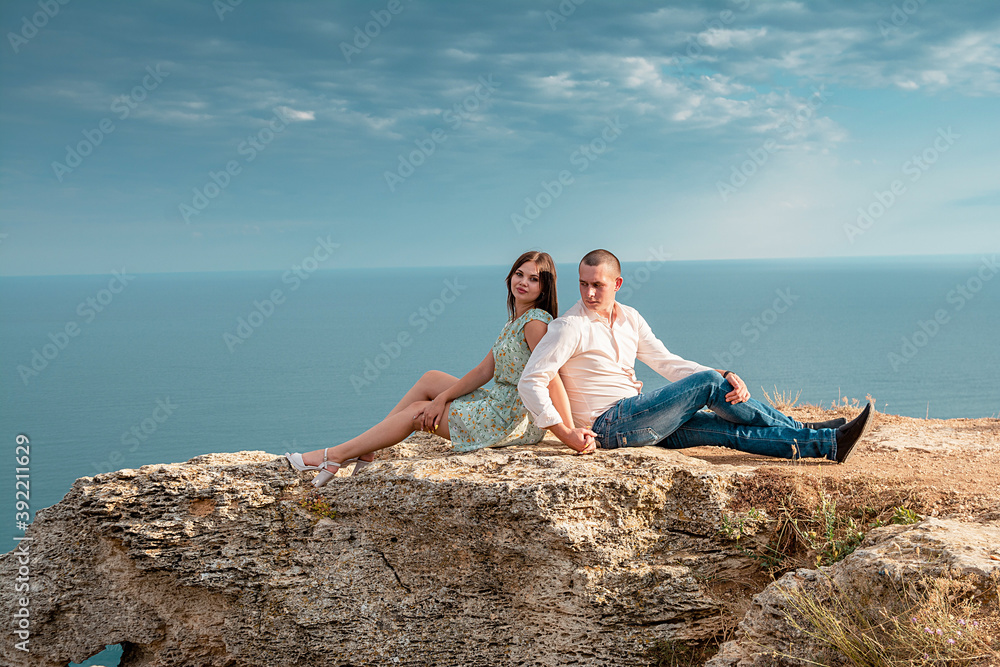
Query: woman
(458,409)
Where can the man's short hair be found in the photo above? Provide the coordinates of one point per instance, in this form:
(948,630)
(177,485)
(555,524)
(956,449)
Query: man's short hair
(602,257)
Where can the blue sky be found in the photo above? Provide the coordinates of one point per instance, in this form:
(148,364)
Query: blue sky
(731,129)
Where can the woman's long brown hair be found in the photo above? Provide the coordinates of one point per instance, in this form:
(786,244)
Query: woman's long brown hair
(547,300)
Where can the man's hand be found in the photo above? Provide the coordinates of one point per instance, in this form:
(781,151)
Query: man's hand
(740,393)
(580,440)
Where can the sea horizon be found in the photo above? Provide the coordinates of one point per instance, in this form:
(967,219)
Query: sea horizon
(653,255)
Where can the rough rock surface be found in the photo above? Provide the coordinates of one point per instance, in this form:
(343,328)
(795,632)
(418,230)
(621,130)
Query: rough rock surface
(519,556)
(499,557)
(890,559)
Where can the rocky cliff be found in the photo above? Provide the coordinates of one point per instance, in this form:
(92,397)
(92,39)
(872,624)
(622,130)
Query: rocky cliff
(518,556)
(493,558)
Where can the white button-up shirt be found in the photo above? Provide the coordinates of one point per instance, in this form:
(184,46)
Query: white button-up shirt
(596,362)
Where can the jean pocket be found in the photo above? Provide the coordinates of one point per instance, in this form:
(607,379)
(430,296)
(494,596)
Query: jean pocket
(638,438)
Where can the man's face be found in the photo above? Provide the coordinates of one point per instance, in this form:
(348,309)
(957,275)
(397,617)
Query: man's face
(598,285)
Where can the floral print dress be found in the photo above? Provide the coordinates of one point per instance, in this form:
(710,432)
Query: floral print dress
(497,417)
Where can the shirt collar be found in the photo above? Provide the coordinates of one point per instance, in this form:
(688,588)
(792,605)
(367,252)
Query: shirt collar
(616,314)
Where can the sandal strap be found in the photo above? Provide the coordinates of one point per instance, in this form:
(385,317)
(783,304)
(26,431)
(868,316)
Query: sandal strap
(327,462)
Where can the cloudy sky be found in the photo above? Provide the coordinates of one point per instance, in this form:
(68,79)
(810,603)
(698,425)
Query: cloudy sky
(197,135)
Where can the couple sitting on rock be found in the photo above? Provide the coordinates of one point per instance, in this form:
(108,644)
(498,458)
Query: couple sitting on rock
(575,376)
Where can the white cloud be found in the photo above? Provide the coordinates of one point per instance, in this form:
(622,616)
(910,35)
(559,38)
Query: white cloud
(459,54)
(970,62)
(935,77)
(561,84)
(717,38)
(293,115)
(379,126)
(173,116)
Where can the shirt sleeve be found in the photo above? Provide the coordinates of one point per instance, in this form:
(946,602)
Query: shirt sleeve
(553,350)
(652,352)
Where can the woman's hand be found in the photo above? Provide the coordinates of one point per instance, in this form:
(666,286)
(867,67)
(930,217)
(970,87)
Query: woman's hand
(580,440)
(432,415)
(589,449)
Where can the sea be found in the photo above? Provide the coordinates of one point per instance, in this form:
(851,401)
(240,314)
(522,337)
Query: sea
(111,371)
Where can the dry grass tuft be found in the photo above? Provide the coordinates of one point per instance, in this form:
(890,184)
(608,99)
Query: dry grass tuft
(785,522)
(781,400)
(930,622)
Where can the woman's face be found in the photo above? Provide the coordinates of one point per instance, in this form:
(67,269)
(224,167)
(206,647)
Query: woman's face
(525,284)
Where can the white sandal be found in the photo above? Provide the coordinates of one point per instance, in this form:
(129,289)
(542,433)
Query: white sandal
(324,476)
(295,459)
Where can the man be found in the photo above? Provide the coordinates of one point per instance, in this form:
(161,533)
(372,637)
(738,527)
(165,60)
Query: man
(594,345)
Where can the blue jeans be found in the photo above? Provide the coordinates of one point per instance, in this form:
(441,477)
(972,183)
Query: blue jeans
(669,417)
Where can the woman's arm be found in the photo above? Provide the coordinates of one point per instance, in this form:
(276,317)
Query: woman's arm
(533,332)
(434,412)
(560,399)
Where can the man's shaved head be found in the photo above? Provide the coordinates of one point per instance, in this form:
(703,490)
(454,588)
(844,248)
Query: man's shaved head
(602,257)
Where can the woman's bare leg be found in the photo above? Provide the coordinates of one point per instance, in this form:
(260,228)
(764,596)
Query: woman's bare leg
(388,432)
(427,387)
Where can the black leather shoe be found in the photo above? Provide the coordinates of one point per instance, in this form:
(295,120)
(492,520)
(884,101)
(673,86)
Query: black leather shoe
(851,433)
(833,423)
